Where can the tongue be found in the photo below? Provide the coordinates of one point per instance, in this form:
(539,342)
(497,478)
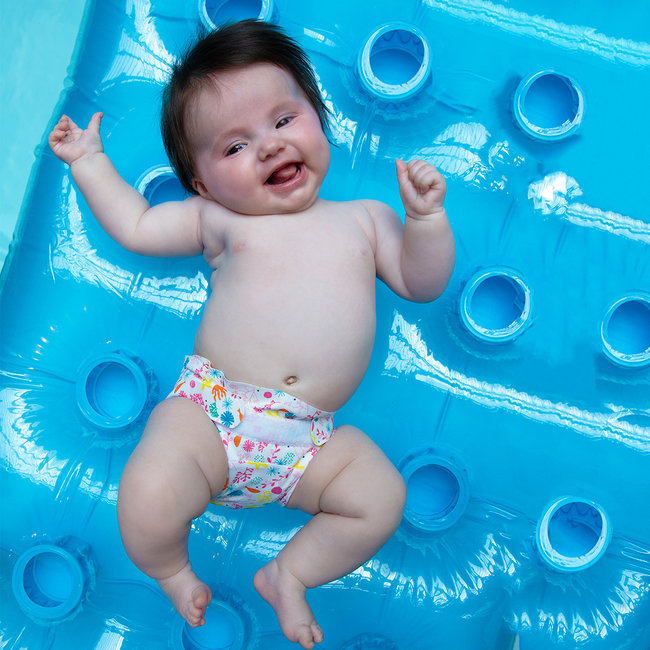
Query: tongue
(283,174)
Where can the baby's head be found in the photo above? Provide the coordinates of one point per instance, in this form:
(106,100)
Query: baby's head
(234,46)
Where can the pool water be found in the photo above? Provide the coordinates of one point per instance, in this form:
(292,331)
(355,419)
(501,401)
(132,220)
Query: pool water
(27,106)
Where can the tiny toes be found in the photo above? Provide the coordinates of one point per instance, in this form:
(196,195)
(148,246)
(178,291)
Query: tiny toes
(309,635)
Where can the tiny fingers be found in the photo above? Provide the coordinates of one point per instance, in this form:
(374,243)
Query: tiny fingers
(64,126)
(422,187)
(59,131)
(423,175)
(61,125)
(95,121)
(66,123)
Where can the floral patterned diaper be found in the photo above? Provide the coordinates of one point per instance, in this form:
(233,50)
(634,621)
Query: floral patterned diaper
(269,436)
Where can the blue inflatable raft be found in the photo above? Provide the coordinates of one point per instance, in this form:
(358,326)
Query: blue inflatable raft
(517,406)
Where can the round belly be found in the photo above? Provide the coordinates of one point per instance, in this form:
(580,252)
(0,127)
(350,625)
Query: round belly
(316,350)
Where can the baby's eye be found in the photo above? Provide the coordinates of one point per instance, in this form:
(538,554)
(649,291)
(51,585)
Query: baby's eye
(283,122)
(236,148)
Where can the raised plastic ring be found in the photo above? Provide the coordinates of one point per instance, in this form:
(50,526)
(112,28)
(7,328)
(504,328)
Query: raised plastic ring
(48,582)
(112,389)
(572,534)
(223,630)
(437,491)
(625,332)
(216,12)
(548,105)
(496,305)
(395,62)
(159,185)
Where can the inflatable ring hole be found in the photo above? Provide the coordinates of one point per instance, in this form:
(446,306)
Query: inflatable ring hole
(160,185)
(548,106)
(112,390)
(395,62)
(437,492)
(223,630)
(572,534)
(216,12)
(495,306)
(625,332)
(48,582)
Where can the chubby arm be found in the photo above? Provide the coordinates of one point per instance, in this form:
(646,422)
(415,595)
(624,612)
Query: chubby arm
(415,260)
(167,229)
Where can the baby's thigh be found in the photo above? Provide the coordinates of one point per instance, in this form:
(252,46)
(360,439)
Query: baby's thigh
(350,475)
(181,446)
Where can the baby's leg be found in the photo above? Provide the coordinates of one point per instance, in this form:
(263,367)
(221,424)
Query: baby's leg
(357,497)
(178,466)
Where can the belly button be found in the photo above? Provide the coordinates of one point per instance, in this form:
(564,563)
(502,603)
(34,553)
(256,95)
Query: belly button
(292,379)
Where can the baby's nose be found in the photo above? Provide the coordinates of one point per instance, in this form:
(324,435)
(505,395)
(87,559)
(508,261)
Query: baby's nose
(270,146)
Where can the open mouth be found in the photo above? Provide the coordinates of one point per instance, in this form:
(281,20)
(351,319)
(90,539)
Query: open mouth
(285,174)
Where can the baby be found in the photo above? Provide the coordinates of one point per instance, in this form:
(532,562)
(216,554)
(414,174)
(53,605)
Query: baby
(287,332)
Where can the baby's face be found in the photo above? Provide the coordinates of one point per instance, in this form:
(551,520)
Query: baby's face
(258,142)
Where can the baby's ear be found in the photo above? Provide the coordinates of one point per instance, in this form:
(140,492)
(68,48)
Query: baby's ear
(200,188)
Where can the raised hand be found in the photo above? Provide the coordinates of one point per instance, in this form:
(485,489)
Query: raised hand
(71,143)
(422,188)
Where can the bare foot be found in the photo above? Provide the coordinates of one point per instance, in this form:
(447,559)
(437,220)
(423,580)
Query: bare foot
(286,594)
(189,596)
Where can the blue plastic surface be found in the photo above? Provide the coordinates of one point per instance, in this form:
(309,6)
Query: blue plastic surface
(517,406)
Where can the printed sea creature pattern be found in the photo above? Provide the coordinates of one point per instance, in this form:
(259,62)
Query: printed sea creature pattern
(269,436)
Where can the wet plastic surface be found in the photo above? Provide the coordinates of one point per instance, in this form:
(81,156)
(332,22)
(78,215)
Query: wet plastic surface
(516,406)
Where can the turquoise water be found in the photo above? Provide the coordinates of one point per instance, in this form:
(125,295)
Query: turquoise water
(31,80)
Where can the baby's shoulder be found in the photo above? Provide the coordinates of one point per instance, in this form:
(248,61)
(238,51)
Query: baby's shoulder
(372,207)
(204,207)
(212,215)
(214,222)
(345,211)
(359,208)
(356,216)
(370,212)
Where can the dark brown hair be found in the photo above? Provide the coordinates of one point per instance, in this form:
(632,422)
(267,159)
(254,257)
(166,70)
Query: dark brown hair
(232,46)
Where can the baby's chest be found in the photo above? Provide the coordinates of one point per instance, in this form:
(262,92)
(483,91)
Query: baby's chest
(317,250)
